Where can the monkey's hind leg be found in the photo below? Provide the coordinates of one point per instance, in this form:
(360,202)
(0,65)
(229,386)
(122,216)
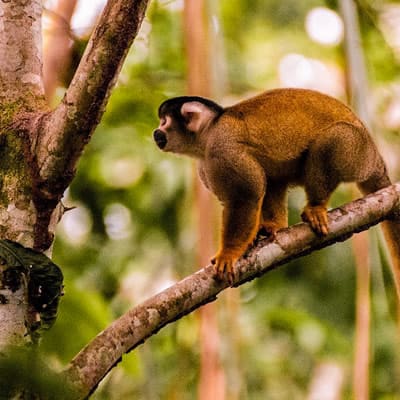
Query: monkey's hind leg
(320,180)
(317,217)
(274,214)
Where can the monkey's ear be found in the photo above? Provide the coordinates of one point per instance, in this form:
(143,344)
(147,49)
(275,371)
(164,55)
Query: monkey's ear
(197,115)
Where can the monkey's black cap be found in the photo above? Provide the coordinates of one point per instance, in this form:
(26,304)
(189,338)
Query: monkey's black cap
(173,106)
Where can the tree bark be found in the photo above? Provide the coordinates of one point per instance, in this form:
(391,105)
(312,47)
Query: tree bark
(21,50)
(21,93)
(92,364)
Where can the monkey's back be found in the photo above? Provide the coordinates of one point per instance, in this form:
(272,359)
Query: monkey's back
(281,123)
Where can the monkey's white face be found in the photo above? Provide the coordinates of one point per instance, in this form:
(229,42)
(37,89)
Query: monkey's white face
(172,136)
(179,132)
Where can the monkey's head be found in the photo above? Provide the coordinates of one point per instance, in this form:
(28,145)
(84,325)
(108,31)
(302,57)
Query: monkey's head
(182,119)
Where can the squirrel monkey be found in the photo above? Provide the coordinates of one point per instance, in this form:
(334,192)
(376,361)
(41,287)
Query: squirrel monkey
(251,152)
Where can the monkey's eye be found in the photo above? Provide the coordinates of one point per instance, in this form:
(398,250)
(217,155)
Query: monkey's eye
(163,120)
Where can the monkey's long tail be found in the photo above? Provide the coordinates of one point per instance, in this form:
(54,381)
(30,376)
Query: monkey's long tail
(391,228)
(391,231)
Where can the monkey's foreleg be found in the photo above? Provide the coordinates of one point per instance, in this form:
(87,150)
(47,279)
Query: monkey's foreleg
(239,228)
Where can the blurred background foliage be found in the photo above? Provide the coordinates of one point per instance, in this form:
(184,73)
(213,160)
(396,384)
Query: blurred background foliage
(132,229)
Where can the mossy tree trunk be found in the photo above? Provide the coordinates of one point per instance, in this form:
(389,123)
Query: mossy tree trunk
(21,105)
(40,147)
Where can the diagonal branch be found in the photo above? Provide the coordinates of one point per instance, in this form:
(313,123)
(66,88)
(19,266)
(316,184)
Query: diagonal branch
(91,365)
(67,129)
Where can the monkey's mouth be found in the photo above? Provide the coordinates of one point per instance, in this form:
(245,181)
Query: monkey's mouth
(160,138)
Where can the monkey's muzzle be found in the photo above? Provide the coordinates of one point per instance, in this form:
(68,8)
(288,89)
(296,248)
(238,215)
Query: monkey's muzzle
(160,138)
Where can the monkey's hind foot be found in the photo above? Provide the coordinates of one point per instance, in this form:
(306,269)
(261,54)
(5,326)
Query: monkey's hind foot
(224,264)
(317,217)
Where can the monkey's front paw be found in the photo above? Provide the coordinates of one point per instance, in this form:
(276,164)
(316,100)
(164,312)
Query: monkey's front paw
(223,264)
(317,217)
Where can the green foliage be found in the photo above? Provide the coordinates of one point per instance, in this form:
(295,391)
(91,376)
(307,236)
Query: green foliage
(82,315)
(28,370)
(380,58)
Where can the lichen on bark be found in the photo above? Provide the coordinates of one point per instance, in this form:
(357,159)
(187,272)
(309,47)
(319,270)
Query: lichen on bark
(13,306)
(21,48)
(16,206)
(21,100)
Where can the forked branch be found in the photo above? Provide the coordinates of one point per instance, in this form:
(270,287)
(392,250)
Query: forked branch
(67,129)
(91,365)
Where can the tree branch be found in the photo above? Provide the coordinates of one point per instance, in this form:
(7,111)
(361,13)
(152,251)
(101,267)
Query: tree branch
(90,366)
(67,129)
